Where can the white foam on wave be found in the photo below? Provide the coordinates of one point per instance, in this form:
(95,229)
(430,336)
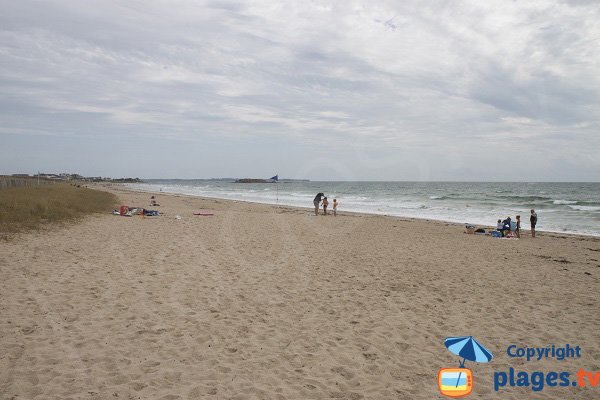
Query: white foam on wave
(585,208)
(564,202)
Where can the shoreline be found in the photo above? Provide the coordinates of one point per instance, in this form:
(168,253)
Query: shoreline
(525,232)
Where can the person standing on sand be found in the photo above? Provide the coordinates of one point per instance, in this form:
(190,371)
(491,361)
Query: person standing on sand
(317,202)
(518,230)
(533,222)
(506,226)
(325,204)
(335,204)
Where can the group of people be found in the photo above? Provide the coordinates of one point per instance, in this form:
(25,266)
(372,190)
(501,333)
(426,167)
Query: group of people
(321,200)
(506,226)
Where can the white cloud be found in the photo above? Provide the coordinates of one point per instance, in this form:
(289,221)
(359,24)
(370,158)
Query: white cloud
(436,77)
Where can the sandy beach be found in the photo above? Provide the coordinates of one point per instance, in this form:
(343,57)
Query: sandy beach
(265,302)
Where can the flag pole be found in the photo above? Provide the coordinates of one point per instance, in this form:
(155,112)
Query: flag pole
(276,179)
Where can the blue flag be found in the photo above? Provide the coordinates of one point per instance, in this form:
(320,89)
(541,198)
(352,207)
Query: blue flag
(274,178)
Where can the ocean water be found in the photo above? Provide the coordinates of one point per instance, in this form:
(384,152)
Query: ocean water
(561,207)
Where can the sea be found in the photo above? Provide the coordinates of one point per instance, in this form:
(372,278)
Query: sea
(561,207)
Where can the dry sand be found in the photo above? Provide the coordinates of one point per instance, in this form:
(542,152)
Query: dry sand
(260,302)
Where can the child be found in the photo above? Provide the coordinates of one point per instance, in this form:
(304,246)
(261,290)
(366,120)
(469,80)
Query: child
(335,204)
(325,204)
(518,230)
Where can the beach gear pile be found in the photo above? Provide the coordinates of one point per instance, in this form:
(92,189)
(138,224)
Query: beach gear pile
(126,211)
(471,229)
(508,234)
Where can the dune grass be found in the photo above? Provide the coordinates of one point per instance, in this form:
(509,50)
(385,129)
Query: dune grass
(27,208)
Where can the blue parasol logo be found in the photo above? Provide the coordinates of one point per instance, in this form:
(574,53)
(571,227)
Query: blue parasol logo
(469,349)
(458,382)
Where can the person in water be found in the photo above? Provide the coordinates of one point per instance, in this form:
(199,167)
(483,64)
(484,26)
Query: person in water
(317,202)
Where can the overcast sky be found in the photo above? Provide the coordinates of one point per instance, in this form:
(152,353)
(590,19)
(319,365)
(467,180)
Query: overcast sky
(340,90)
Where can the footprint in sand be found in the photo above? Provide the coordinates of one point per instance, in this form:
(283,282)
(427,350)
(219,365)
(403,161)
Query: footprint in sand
(370,356)
(28,330)
(343,372)
(137,386)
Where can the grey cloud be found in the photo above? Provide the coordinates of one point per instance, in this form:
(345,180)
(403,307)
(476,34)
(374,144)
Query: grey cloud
(432,78)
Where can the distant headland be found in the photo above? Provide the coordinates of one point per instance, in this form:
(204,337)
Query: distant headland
(73,177)
(256,180)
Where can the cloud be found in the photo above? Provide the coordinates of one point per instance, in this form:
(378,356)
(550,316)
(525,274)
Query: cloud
(466,78)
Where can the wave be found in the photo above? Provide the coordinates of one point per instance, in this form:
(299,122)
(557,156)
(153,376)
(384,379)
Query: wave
(588,203)
(585,208)
(525,198)
(565,202)
(452,196)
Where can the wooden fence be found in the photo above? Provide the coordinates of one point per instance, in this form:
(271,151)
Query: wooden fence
(17,181)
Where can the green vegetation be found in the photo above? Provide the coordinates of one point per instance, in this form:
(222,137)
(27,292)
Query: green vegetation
(26,208)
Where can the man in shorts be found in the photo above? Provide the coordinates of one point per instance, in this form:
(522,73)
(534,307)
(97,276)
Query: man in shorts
(533,222)
(317,202)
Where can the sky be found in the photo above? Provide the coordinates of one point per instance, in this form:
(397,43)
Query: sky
(337,90)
